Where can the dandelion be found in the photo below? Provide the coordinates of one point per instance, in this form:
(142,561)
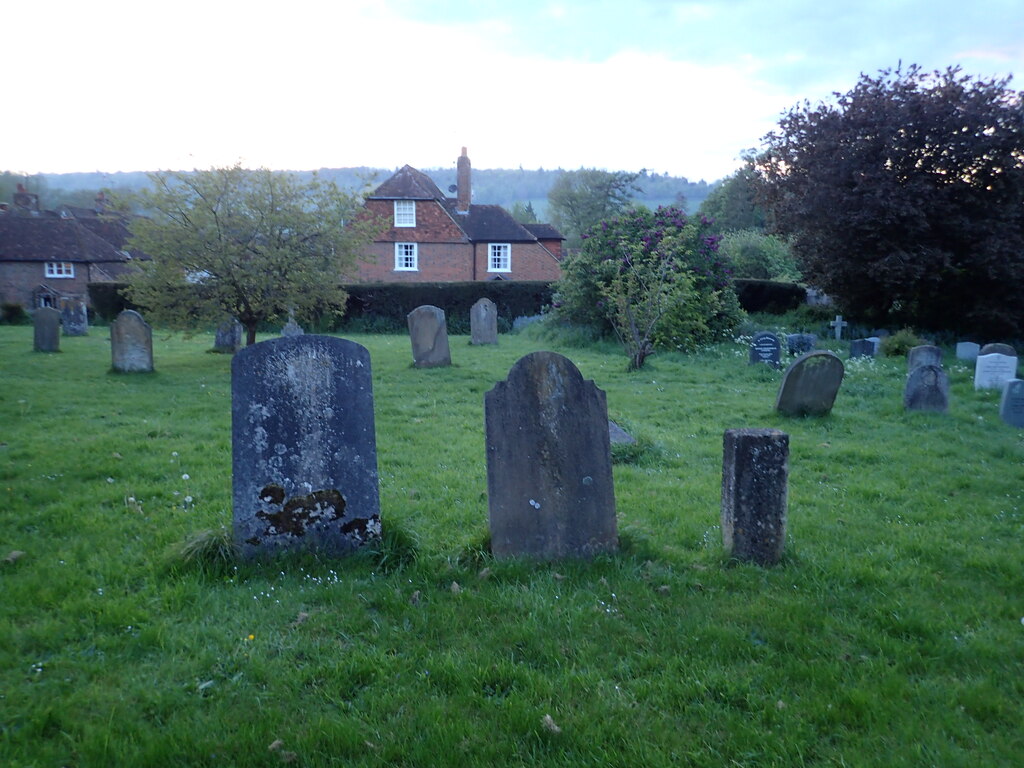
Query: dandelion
(251,637)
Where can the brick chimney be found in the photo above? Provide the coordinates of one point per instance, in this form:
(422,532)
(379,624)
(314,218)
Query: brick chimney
(465,190)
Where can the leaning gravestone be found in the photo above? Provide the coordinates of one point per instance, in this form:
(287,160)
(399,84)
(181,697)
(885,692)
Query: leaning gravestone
(799,343)
(810,386)
(993,370)
(765,347)
(549,470)
(131,343)
(924,354)
(228,338)
(755,471)
(483,322)
(74,317)
(304,449)
(967,350)
(429,334)
(47,330)
(862,348)
(927,389)
(1011,407)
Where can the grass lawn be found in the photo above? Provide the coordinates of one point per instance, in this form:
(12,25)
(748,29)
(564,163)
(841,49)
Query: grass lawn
(891,635)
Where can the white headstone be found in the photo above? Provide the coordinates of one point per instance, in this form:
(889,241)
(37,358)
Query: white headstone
(993,371)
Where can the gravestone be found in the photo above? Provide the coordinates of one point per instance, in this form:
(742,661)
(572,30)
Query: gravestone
(992,371)
(765,347)
(862,348)
(483,322)
(304,449)
(924,354)
(617,434)
(131,343)
(755,472)
(967,350)
(877,342)
(1011,407)
(292,328)
(998,349)
(228,337)
(837,325)
(810,386)
(429,334)
(74,317)
(47,330)
(799,343)
(549,470)
(927,389)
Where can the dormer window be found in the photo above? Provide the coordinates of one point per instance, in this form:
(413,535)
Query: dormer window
(405,213)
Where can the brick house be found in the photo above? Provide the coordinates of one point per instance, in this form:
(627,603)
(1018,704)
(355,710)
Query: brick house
(434,238)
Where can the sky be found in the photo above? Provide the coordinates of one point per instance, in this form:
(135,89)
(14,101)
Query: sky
(671,87)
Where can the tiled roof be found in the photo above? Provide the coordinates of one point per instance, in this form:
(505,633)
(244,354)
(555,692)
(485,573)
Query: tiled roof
(408,184)
(488,223)
(544,232)
(47,238)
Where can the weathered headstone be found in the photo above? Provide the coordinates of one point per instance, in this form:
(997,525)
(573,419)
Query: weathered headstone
(549,471)
(810,386)
(992,371)
(837,326)
(877,341)
(967,350)
(927,389)
(998,349)
(74,316)
(47,330)
(228,337)
(765,347)
(617,434)
(924,354)
(799,343)
(862,348)
(1011,407)
(292,328)
(755,472)
(304,449)
(131,343)
(483,322)
(429,334)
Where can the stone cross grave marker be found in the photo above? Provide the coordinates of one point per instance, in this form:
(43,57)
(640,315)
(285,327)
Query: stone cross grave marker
(924,354)
(483,322)
(993,370)
(755,472)
(1011,406)
(304,448)
(927,389)
(549,469)
(47,330)
(131,343)
(765,347)
(74,317)
(428,332)
(228,337)
(967,350)
(837,325)
(862,348)
(799,343)
(810,385)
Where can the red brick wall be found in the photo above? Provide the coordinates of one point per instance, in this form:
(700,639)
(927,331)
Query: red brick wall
(433,224)
(438,263)
(530,261)
(18,279)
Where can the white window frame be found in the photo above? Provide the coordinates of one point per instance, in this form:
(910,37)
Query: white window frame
(407,257)
(499,257)
(405,213)
(60,269)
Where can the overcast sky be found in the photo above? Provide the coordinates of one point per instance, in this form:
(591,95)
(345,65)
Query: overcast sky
(677,87)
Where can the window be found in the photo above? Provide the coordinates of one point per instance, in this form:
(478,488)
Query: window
(405,213)
(499,257)
(406,257)
(60,269)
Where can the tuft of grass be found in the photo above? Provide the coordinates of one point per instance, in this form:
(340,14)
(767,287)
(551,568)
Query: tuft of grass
(212,550)
(397,547)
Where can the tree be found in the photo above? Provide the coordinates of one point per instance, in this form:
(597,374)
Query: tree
(580,200)
(524,214)
(732,205)
(904,201)
(252,244)
(759,256)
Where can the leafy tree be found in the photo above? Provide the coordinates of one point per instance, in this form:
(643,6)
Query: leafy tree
(733,205)
(580,200)
(524,214)
(252,244)
(904,200)
(759,256)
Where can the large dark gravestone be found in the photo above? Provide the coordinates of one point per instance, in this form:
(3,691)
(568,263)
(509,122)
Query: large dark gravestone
(1011,406)
(927,389)
(74,316)
(924,354)
(765,347)
(131,343)
(799,343)
(810,385)
(483,322)
(47,330)
(755,476)
(228,337)
(304,449)
(429,334)
(549,469)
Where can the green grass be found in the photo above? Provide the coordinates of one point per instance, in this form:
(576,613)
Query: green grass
(891,634)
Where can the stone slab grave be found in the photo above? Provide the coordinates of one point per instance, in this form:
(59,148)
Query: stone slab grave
(810,385)
(765,347)
(549,469)
(483,322)
(131,343)
(428,332)
(46,331)
(993,370)
(863,348)
(799,343)
(967,350)
(755,476)
(924,354)
(304,447)
(1011,406)
(74,316)
(927,389)
(228,337)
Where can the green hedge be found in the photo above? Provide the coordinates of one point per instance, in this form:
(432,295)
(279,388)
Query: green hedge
(769,296)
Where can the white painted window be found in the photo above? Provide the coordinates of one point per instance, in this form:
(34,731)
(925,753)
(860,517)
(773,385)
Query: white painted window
(499,257)
(406,257)
(60,269)
(405,213)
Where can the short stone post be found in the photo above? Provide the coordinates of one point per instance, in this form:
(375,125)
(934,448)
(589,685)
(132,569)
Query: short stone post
(755,471)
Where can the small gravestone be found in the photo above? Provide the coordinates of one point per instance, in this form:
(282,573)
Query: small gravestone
(47,330)
(810,386)
(292,328)
(837,326)
(862,348)
(1011,407)
(924,354)
(304,449)
(927,389)
(998,349)
(131,343)
(617,434)
(992,371)
(967,350)
(74,317)
(549,470)
(429,334)
(799,343)
(228,337)
(755,472)
(483,322)
(765,347)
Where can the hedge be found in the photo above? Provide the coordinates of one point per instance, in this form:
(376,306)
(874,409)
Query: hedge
(769,296)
